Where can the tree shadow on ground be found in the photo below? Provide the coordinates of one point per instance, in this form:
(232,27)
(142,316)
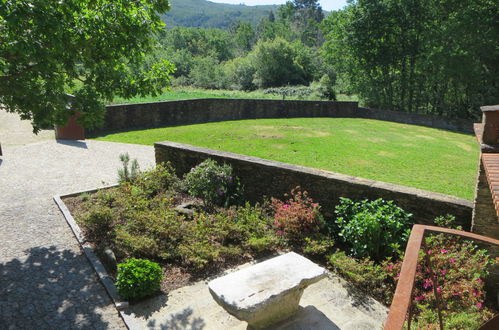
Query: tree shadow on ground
(183,320)
(73,143)
(360,299)
(146,308)
(51,289)
(306,318)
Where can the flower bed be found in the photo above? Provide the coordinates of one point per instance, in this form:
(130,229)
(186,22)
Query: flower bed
(197,226)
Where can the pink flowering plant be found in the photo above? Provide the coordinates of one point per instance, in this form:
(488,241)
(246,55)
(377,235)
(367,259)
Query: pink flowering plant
(298,217)
(459,268)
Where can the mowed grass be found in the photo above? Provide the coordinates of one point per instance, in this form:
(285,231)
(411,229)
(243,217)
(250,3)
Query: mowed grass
(415,156)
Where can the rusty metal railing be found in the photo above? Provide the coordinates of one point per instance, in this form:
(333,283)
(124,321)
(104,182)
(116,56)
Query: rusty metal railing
(401,303)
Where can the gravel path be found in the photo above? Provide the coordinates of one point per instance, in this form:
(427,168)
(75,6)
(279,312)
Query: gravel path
(45,280)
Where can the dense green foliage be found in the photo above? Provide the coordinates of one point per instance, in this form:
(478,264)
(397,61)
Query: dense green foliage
(277,51)
(205,14)
(365,274)
(138,278)
(140,224)
(215,184)
(375,229)
(424,56)
(91,49)
(427,56)
(408,155)
(138,219)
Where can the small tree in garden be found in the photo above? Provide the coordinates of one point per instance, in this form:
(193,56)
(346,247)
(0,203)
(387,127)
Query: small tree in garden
(128,173)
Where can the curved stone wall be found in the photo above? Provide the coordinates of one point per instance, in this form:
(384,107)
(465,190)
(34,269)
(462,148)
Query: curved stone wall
(196,111)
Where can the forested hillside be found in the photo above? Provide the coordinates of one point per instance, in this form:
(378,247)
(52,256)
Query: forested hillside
(205,14)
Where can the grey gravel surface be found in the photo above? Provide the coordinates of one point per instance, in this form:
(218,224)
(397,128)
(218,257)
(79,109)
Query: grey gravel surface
(45,280)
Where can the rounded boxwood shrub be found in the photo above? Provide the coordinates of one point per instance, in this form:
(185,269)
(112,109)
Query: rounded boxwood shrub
(138,278)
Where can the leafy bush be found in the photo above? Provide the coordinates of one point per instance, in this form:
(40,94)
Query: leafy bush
(213,183)
(377,229)
(460,268)
(160,179)
(365,274)
(239,73)
(278,63)
(207,73)
(98,221)
(227,235)
(298,217)
(138,278)
(127,173)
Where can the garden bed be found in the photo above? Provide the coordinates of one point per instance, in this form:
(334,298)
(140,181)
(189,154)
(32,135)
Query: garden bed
(217,230)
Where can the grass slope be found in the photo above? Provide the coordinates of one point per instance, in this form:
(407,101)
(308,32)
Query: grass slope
(206,14)
(409,155)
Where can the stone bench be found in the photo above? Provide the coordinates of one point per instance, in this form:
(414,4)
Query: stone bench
(268,292)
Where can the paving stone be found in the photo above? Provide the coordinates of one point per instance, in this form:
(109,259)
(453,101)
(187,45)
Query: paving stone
(45,280)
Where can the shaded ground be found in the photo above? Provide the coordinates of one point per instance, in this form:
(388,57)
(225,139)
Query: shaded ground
(45,280)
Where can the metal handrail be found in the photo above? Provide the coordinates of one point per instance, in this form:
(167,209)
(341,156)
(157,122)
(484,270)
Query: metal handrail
(402,298)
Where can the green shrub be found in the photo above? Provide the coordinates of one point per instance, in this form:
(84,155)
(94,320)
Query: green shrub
(212,239)
(85,196)
(99,221)
(365,274)
(318,245)
(214,184)
(161,179)
(138,278)
(151,233)
(377,229)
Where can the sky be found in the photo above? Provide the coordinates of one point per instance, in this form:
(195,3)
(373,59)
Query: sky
(325,4)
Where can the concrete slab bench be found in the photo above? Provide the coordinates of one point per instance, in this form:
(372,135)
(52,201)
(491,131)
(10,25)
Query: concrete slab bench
(268,292)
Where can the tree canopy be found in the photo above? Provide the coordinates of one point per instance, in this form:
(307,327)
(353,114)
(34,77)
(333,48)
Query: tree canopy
(92,49)
(429,56)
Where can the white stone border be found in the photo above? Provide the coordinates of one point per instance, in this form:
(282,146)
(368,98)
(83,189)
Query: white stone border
(91,255)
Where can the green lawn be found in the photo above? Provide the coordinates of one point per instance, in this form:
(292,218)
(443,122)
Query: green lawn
(421,157)
(185,93)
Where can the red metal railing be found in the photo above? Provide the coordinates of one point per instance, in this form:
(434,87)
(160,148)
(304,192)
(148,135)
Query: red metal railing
(401,303)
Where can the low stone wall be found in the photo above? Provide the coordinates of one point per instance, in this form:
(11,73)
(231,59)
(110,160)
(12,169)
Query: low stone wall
(262,177)
(197,111)
(450,124)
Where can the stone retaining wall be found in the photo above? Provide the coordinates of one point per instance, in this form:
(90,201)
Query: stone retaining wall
(263,177)
(196,111)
